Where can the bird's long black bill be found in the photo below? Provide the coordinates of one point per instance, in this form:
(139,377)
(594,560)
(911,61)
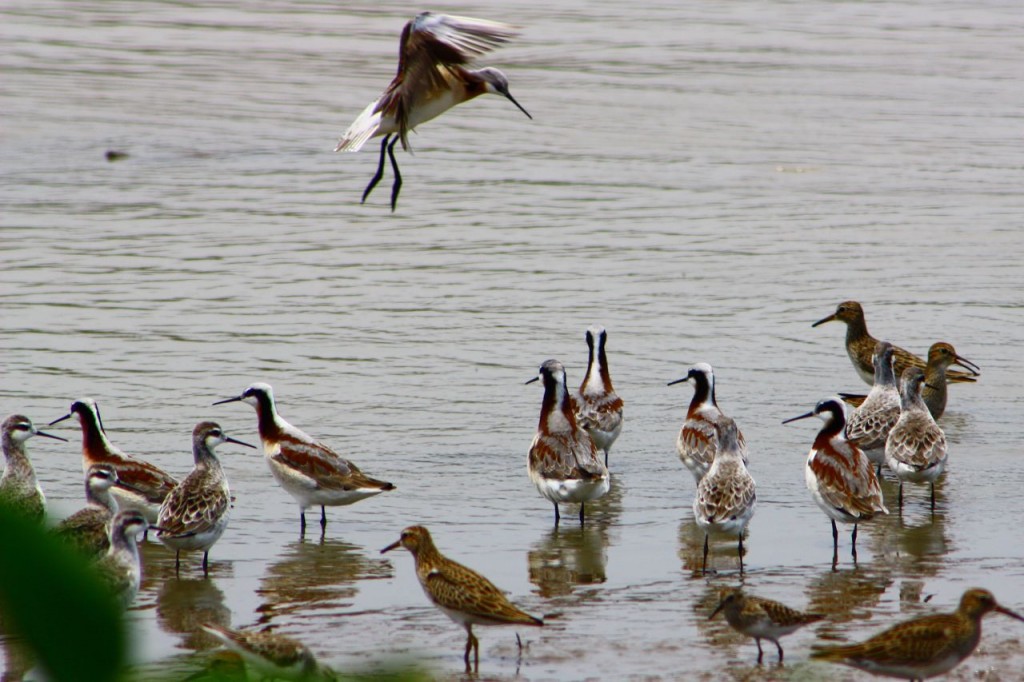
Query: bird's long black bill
(58,420)
(236,399)
(513,100)
(803,416)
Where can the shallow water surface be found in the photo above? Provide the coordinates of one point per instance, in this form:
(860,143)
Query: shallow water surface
(703,179)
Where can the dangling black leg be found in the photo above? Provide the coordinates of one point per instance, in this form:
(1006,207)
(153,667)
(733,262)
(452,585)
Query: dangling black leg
(558,517)
(740,552)
(760,653)
(835,535)
(853,538)
(780,650)
(582,507)
(704,564)
(901,495)
(302,522)
(380,170)
(323,518)
(206,562)
(397,187)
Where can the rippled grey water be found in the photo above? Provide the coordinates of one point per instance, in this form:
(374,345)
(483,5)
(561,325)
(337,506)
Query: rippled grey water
(703,179)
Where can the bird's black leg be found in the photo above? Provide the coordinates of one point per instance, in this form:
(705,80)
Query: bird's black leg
(605,459)
(760,652)
(853,539)
(206,562)
(558,517)
(704,564)
(177,561)
(780,650)
(397,187)
(740,552)
(835,536)
(901,495)
(582,507)
(380,170)
(933,497)
(323,518)
(302,522)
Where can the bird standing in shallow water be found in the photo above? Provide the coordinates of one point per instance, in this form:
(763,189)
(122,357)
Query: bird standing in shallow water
(271,655)
(762,618)
(870,423)
(599,407)
(433,52)
(698,437)
(18,485)
(195,514)
(461,593)
(916,447)
(839,476)
(563,461)
(922,647)
(307,469)
(120,567)
(727,494)
(88,529)
(860,346)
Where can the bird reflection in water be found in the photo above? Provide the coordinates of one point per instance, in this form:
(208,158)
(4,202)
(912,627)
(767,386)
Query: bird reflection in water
(315,575)
(849,594)
(183,604)
(691,550)
(566,558)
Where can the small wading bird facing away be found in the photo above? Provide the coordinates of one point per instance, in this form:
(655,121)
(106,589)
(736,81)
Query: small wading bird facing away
(839,476)
(860,346)
(120,568)
(307,469)
(195,514)
(916,447)
(698,437)
(18,485)
(727,494)
(600,408)
(870,423)
(761,618)
(462,594)
(431,79)
(271,655)
(563,462)
(922,647)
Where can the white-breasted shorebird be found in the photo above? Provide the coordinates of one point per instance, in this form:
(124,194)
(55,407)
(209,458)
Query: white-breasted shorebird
(916,447)
(120,567)
(726,495)
(839,476)
(433,52)
(698,437)
(563,462)
(271,655)
(195,513)
(923,647)
(460,593)
(761,618)
(146,485)
(599,408)
(88,529)
(860,346)
(870,423)
(18,485)
(308,470)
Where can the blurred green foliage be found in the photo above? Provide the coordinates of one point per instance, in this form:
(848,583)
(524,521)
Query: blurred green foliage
(56,605)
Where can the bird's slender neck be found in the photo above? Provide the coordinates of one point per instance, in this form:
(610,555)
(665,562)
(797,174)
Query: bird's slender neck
(93,438)
(831,431)
(267,418)
(204,456)
(556,413)
(123,543)
(426,553)
(703,392)
(910,398)
(598,378)
(856,329)
(884,375)
(18,464)
(99,496)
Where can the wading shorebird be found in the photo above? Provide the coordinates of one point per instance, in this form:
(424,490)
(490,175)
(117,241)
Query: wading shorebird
(563,461)
(921,647)
(940,356)
(599,408)
(761,618)
(726,496)
(270,655)
(860,346)
(145,485)
(88,529)
(870,423)
(839,476)
(431,79)
(195,514)
(916,447)
(18,486)
(461,593)
(307,469)
(698,438)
